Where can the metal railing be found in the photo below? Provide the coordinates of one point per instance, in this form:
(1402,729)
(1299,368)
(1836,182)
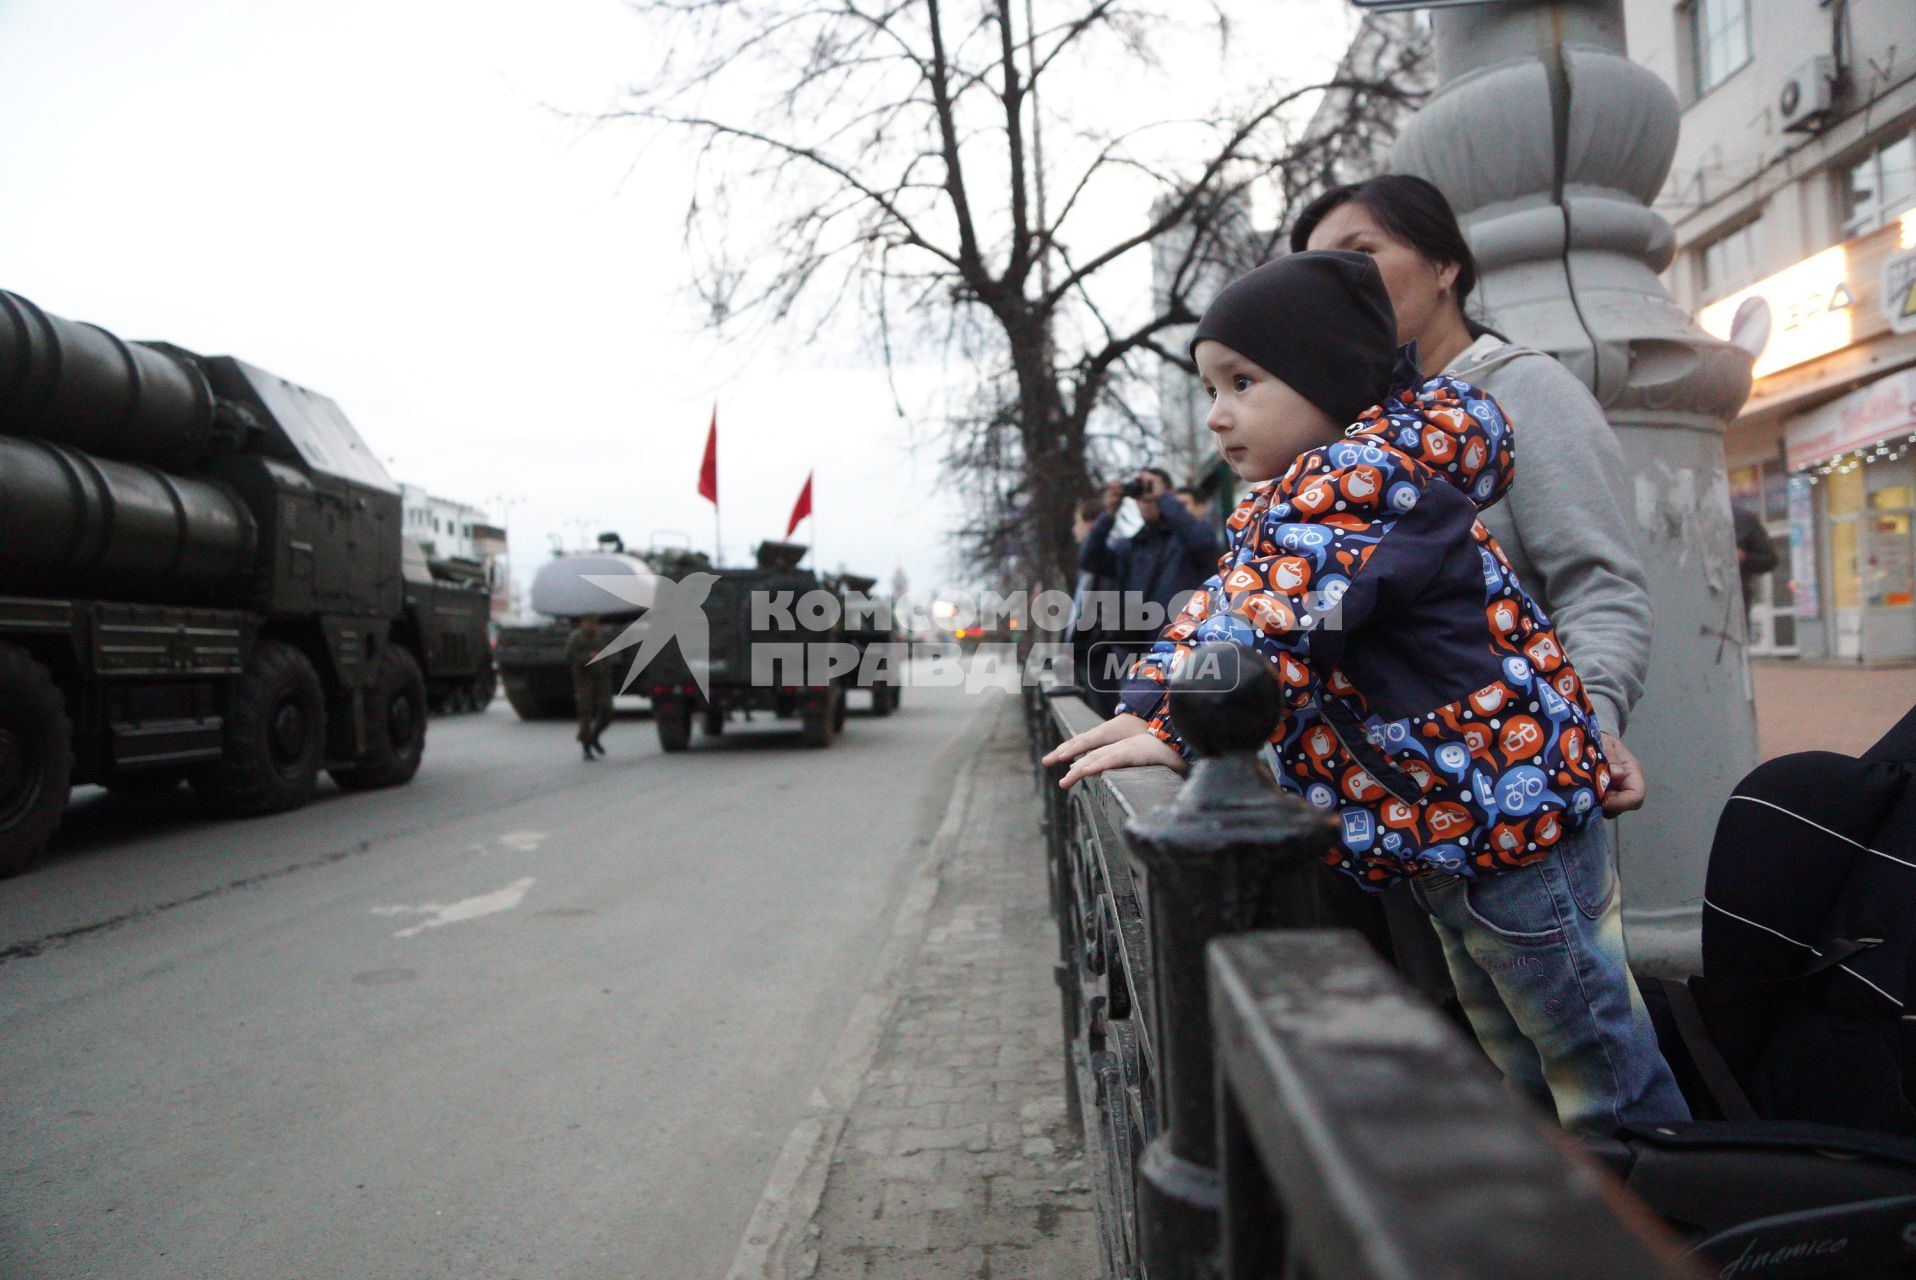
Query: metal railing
(1258,1097)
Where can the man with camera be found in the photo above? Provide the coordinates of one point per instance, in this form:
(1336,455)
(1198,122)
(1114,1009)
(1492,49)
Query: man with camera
(1170,555)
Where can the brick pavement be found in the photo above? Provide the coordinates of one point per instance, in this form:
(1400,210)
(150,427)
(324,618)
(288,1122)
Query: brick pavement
(956,1161)
(1803,706)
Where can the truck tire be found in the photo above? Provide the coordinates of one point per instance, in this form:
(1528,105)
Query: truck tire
(674,718)
(713,722)
(395,725)
(275,736)
(821,724)
(531,704)
(483,686)
(36,759)
(884,699)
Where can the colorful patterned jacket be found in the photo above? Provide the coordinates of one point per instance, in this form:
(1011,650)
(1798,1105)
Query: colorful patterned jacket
(1429,704)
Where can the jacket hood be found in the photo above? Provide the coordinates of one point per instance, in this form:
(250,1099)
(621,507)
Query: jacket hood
(1446,424)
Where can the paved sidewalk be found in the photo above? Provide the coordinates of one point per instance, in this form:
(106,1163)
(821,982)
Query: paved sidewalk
(956,1161)
(1802,706)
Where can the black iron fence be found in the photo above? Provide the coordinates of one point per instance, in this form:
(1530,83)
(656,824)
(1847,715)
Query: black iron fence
(1258,1097)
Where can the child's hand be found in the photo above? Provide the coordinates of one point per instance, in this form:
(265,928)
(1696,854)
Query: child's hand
(1107,731)
(1126,753)
(1627,786)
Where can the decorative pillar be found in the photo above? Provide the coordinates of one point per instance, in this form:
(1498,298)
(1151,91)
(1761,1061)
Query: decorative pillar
(1552,145)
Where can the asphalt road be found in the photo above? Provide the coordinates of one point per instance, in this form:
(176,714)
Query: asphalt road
(525,1017)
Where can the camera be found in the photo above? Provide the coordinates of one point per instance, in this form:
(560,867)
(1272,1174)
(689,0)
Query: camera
(1134,488)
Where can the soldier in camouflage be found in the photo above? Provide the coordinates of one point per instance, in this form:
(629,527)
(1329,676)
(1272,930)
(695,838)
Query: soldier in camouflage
(591,684)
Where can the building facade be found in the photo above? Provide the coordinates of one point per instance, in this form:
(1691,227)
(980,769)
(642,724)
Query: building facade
(1793,197)
(458,531)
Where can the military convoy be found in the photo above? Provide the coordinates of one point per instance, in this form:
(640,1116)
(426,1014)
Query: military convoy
(532,659)
(531,656)
(201,579)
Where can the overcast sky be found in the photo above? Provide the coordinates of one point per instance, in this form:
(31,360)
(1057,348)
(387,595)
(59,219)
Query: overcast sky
(395,203)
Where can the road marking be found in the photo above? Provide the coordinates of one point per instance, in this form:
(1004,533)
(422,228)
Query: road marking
(792,1193)
(523,841)
(437,914)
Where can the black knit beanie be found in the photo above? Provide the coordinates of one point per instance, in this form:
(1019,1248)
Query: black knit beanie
(1320,321)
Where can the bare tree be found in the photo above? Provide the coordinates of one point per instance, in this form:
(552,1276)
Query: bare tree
(887,155)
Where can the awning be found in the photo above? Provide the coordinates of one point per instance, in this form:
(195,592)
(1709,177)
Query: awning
(1881,411)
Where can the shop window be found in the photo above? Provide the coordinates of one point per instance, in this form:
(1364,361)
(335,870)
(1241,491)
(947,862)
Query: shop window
(1729,262)
(1845,501)
(1881,185)
(1719,37)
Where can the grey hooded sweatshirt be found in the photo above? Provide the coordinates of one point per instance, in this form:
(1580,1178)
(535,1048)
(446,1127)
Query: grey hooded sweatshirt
(1562,524)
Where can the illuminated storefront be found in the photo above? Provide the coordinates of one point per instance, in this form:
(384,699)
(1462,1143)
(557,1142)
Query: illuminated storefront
(1822,453)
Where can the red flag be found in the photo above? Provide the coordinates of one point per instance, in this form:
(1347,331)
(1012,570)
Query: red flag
(801,508)
(708,471)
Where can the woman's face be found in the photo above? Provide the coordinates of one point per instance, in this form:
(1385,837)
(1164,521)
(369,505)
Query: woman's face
(1419,288)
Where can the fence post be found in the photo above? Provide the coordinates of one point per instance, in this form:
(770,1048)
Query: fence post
(1231,853)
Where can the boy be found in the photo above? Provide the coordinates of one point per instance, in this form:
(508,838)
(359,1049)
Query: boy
(1429,706)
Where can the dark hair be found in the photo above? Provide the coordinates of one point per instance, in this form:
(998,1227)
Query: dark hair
(1163,475)
(1411,210)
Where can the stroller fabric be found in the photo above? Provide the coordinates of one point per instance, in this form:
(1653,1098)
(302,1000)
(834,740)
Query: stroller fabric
(1809,930)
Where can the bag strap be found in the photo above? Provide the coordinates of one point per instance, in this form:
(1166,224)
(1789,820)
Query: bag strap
(1835,951)
(1717,1076)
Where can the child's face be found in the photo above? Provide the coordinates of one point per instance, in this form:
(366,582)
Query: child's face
(1261,424)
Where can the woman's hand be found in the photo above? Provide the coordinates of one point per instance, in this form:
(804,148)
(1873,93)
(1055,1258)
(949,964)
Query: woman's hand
(1627,786)
(1125,753)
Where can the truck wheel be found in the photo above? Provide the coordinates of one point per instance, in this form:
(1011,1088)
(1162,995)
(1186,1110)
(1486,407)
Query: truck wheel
(884,699)
(532,704)
(483,685)
(36,759)
(713,722)
(275,736)
(821,724)
(674,718)
(395,725)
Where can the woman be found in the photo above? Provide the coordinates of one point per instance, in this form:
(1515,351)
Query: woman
(1562,524)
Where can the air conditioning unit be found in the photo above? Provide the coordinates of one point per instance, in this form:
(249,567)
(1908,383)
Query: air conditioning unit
(1804,99)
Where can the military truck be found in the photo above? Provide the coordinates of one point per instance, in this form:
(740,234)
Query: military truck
(869,620)
(531,655)
(200,579)
(449,628)
(731,684)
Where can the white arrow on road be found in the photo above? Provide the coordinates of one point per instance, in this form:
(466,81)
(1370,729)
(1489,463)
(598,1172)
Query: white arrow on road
(438,914)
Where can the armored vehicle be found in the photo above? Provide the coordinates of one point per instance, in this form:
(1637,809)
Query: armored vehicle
(200,578)
(798,689)
(531,656)
(449,627)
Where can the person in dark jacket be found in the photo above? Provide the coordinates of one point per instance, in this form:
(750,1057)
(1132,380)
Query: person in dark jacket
(1755,554)
(1084,632)
(1153,570)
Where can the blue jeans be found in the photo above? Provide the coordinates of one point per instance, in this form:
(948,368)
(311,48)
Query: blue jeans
(1537,957)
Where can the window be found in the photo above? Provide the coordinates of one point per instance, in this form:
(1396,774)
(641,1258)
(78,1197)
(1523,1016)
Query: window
(1729,262)
(1719,40)
(1881,185)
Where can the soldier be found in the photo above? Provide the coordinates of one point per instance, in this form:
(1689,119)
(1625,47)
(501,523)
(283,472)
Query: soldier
(591,684)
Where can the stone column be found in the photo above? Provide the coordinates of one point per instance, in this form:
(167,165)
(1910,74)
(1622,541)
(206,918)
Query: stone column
(1552,145)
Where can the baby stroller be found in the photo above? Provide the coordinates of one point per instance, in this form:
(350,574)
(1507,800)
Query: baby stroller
(1794,1045)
